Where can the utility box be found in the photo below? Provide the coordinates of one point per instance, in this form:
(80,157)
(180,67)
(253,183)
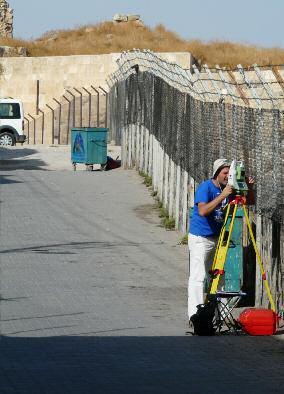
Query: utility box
(89,146)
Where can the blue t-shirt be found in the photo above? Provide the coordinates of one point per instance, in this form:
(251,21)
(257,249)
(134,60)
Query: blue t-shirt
(210,225)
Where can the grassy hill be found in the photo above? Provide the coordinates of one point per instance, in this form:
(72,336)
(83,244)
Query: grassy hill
(111,37)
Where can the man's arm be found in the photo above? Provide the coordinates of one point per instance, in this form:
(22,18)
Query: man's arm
(204,209)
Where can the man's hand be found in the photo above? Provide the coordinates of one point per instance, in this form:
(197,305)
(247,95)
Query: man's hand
(227,191)
(250,182)
(250,179)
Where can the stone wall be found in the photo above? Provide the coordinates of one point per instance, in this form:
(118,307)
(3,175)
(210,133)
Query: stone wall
(6,51)
(58,74)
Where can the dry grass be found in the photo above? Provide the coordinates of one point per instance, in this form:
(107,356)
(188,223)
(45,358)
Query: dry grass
(230,54)
(110,37)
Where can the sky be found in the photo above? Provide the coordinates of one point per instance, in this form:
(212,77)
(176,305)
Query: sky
(257,22)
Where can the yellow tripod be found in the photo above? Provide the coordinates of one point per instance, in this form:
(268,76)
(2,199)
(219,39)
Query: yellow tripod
(223,245)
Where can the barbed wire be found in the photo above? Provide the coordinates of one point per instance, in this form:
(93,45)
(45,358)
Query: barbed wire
(200,83)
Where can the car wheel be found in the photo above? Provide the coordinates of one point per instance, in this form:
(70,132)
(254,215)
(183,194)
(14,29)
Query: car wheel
(7,139)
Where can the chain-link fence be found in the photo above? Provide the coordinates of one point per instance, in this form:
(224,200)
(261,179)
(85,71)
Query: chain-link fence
(196,122)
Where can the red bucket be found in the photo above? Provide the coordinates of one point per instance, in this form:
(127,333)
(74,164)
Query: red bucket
(258,321)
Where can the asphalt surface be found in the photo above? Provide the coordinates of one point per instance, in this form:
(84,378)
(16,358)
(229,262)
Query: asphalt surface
(93,291)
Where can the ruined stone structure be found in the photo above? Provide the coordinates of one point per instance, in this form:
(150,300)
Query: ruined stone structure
(120,18)
(6,20)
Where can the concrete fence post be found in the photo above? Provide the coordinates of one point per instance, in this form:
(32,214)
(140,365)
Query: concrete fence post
(174,187)
(177,196)
(147,152)
(151,138)
(123,147)
(184,202)
(171,188)
(161,172)
(166,182)
(142,149)
(129,146)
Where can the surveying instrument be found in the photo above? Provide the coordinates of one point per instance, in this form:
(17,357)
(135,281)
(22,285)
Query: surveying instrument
(216,312)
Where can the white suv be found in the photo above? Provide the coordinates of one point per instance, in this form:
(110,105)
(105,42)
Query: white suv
(11,122)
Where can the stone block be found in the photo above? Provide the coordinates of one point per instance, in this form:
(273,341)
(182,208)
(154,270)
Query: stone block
(6,51)
(120,18)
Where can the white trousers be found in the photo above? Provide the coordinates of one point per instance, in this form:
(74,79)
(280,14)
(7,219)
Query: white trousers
(201,255)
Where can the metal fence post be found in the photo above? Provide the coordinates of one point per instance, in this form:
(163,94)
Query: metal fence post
(74,105)
(68,117)
(34,127)
(37,97)
(59,120)
(98,105)
(52,129)
(42,125)
(27,119)
(81,105)
(106,95)
(90,104)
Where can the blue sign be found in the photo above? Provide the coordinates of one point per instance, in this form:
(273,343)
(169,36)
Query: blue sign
(78,147)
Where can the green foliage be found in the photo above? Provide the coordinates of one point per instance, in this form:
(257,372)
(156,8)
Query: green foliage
(147,179)
(160,204)
(163,212)
(169,222)
(184,240)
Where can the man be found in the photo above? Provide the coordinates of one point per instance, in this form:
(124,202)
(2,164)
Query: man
(205,226)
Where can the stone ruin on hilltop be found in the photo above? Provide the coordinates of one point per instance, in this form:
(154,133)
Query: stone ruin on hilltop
(121,18)
(6,31)
(6,20)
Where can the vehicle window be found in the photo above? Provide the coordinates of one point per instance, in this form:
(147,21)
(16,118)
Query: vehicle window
(10,111)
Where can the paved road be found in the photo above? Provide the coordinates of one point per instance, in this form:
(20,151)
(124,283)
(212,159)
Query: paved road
(93,293)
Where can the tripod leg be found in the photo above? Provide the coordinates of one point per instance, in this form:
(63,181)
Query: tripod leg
(258,258)
(221,237)
(222,250)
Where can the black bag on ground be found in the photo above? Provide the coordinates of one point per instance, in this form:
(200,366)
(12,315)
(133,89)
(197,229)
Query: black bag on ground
(111,163)
(203,319)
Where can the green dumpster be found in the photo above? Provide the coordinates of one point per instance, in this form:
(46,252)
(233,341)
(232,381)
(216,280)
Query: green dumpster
(89,146)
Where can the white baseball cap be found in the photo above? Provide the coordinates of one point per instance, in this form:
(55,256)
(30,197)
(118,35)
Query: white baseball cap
(218,164)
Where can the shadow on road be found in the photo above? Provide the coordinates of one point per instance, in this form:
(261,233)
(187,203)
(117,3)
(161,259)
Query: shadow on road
(19,159)
(16,153)
(74,247)
(121,364)
(4,180)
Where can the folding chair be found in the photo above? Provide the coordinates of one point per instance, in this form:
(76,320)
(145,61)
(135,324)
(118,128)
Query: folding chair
(226,301)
